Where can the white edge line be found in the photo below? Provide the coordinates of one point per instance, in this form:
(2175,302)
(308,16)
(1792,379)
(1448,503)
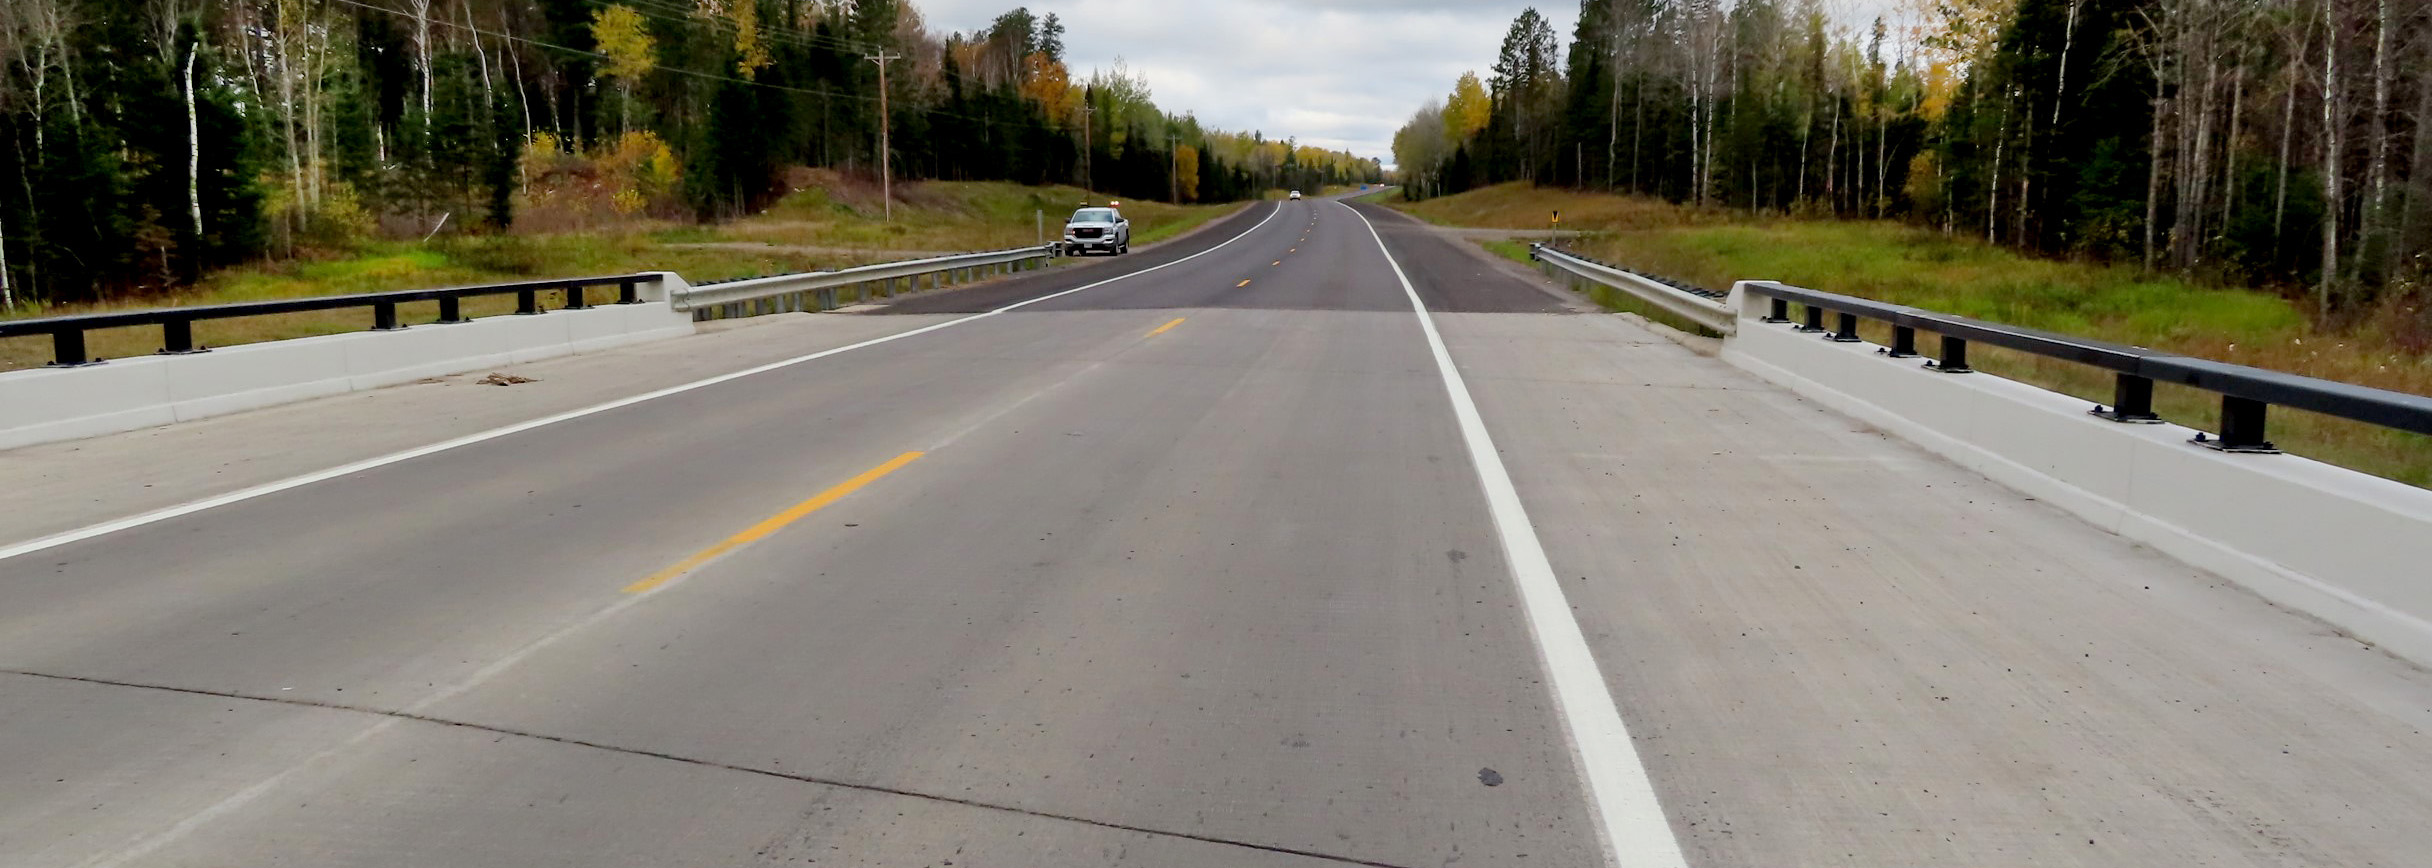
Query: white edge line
(1636,835)
(270,488)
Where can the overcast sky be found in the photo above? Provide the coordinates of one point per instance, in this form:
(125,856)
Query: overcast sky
(1339,74)
(1332,73)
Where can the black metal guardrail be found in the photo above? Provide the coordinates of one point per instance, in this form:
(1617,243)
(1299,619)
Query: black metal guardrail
(177,323)
(2245,392)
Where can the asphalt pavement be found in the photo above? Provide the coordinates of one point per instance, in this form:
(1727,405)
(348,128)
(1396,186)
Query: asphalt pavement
(1215,554)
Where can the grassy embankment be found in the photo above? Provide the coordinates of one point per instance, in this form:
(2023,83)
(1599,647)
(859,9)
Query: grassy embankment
(1903,264)
(815,227)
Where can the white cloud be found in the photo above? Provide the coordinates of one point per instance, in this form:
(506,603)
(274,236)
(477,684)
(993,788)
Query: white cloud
(1333,73)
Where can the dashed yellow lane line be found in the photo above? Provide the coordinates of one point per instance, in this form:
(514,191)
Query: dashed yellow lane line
(772,524)
(1276,262)
(1241,284)
(1166,327)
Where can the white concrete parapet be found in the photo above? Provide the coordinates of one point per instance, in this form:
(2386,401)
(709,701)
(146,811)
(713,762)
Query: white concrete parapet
(2352,549)
(47,404)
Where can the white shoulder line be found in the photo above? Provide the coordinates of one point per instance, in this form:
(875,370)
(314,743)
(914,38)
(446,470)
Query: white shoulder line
(1636,835)
(189,508)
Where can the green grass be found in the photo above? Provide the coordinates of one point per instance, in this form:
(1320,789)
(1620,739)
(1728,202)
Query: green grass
(938,216)
(1512,250)
(811,229)
(1604,296)
(1898,263)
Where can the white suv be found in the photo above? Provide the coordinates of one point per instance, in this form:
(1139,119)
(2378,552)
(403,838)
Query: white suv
(1097,229)
(1296,195)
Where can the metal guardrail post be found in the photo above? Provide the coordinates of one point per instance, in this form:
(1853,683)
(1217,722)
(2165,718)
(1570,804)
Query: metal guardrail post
(451,311)
(384,317)
(574,298)
(177,337)
(1778,311)
(628,292)
(2131,401)
(1904,341)
(2241,427)
(1847,330)
(67,349)
(527,303)
(1954,357)
(1815,319)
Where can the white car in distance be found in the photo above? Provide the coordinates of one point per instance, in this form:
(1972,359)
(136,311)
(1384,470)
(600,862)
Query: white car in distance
(1097,229)
(1296,195)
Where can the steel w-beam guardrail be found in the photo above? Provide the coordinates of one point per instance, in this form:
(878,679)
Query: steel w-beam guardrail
(177,323)
(816,290)
(1707,312)
(2245,391)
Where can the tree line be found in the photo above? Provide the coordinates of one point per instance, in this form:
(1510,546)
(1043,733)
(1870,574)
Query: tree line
(2284,142)
(145,142)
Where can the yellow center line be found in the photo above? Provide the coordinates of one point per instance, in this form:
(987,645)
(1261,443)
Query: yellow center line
(1276,262)
(1166,327)
(1241,284)
(771,525)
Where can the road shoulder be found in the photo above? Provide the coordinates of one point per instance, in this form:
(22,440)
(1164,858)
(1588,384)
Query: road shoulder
(1830,641)
(56,487)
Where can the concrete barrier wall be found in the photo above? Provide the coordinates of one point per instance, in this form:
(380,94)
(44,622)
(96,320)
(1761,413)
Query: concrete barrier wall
(48,404)
(2352,549)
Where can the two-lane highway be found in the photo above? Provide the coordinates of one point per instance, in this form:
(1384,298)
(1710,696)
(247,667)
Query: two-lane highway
(1170,570)
(1311,539)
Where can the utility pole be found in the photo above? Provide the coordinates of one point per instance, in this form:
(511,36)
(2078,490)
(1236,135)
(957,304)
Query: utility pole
(1089,111)
(886,169)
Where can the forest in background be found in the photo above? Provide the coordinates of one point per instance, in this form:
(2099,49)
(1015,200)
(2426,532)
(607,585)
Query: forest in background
(2280,143)
(148,142)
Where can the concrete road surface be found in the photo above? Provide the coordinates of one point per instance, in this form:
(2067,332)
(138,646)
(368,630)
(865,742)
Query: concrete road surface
(1221,554)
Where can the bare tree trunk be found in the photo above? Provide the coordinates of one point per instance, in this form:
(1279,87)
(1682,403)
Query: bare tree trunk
(2068,39)
(194,149)
(1807,133)
(1832,158)
(1883,156)
(253,71)
(2333,144)
(2001,140)
(2377,173)
(285,33)
(515,66)
(422,52)
(2187,227)
(315,70)
(1857,168)
(8,295)
(489,90)
(2153,172)
(1638,128)
(2026,173)
(2229,147)
(2288,134)
(1696,126)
